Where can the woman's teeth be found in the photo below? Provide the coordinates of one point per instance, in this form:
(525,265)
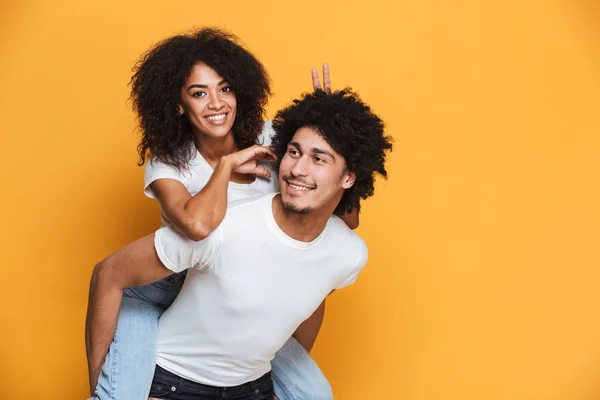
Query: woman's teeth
(216,117)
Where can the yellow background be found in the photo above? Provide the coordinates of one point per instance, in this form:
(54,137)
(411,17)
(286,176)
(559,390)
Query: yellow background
(484,264)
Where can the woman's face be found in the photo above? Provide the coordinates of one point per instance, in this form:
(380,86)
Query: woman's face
(208,102)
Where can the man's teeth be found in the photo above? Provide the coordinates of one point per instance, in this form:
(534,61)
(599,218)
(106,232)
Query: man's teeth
(296,187)
(216,117)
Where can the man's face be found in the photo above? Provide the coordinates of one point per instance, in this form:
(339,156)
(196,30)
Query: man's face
(311,174)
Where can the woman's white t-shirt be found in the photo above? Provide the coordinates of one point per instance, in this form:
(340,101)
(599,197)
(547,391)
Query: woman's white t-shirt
(199,172)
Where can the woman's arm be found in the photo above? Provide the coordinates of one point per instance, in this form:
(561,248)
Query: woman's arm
(196,216)
(351,219)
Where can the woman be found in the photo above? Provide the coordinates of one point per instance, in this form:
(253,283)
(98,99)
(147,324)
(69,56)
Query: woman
(198,97)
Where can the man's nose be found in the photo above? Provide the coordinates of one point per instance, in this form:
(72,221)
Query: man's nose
(300,166)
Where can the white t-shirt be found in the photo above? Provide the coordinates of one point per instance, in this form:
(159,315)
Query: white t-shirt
(197,175)
(249,287)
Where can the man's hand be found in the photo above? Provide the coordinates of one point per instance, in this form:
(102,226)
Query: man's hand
(326,79)
(246,161)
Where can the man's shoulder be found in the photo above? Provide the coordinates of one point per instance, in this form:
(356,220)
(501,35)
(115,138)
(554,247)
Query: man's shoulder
(337,225)
(256,201)
(245,218)
(349,251)
(247,208)
(340,233)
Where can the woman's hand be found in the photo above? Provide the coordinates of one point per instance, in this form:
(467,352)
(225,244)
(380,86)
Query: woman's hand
(326,79)
(246,161)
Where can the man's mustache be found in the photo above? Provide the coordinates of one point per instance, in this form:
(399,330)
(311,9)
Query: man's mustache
(295,179)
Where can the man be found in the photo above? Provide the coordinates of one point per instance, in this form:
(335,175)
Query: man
(269,264)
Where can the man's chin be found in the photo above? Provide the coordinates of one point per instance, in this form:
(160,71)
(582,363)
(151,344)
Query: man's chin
(296,208)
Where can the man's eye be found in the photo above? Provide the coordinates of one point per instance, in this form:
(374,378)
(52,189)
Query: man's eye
(293,152)
(319,159)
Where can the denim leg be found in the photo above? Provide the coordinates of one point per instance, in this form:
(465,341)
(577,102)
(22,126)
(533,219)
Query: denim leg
(296,376)
(129,366)
(161,293)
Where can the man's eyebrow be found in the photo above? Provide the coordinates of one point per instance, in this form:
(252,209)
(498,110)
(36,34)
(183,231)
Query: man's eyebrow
(316,150)
(197,85)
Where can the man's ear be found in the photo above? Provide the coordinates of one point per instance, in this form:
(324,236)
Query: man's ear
(348,180)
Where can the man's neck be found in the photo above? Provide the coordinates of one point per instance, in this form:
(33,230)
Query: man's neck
(302,227)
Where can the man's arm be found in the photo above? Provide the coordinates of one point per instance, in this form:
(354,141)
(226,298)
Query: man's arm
(307,332)
(135,265)
(138,264)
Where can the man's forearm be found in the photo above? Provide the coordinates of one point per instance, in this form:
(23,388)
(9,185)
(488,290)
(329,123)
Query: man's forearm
(136,264)
(101,323)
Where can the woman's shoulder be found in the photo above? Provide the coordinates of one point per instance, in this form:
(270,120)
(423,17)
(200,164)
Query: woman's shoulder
(153,163)
(196,172)
(266,135)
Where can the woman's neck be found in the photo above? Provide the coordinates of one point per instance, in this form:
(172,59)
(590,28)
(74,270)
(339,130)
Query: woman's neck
(213,148)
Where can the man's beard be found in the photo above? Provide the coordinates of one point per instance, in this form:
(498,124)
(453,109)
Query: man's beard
(294,208)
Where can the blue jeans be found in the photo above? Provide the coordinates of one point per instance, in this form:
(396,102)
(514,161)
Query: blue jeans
(129,366)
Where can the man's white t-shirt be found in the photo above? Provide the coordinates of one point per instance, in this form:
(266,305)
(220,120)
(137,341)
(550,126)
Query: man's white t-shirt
(196,176)
(249,287)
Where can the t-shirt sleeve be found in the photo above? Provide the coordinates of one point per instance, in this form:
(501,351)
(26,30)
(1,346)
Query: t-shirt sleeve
(352,274)
(179,253)
(155,170)
(265,139)
(266,136)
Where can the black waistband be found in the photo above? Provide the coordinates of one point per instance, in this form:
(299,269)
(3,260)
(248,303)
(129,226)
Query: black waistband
(164,377)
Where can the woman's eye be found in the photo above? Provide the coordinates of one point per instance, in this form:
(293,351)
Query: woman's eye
(199,94)
(226,89)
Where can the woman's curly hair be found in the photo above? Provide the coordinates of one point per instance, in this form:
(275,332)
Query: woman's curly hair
(156,92)
(350,128)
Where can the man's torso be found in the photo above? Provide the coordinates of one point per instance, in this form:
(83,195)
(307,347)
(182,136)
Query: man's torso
(231,317)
